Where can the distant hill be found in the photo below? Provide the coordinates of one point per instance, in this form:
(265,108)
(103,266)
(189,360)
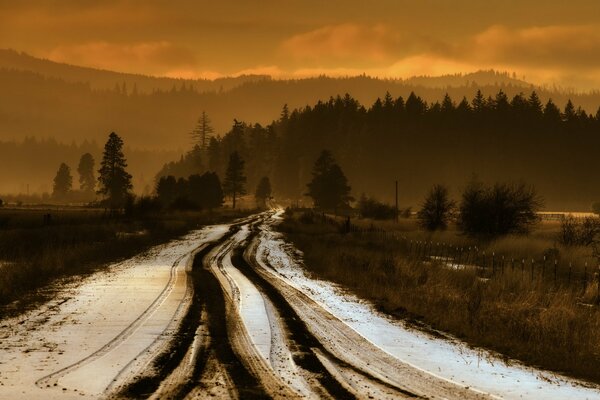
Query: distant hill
(104,79)
(43,99)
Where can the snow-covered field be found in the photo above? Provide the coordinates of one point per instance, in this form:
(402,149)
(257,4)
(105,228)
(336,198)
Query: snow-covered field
(447,359)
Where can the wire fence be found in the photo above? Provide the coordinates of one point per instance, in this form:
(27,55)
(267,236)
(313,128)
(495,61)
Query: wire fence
(548,270)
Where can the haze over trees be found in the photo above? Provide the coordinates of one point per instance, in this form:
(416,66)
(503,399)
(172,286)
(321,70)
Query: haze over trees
(114,180)
(87,179)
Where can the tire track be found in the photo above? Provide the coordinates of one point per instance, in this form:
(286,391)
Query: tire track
(52,379)
(308,346)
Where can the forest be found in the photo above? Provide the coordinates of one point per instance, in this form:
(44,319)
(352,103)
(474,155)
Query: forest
(493,138)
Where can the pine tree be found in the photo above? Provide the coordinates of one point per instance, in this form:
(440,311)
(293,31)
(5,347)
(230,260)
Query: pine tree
(479,102)
(115,182)
(63,182)
(569,115)
(235,181)
(87,180)
(203,131)
(436,210)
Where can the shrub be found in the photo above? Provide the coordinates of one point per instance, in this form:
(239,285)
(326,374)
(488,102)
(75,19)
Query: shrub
(579,233)
(498,210)
(368,207)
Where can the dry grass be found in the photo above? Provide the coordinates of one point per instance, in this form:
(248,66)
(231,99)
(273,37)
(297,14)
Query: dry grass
(34,253)
(531,320)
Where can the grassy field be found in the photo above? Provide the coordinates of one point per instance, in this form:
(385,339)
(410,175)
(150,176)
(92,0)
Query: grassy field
(552,325)
(36,250)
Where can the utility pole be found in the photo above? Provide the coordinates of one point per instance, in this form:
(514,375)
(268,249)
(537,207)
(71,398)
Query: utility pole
(397,212)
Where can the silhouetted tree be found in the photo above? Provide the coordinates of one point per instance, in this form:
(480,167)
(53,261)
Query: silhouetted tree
(213,192)
(203,131)
(498,210)
(87,180)
(214,155)
(115,182)
(63,182)
(436,209)
(235,180)
(263,192)
(329,187)
(569,115)
(166,190)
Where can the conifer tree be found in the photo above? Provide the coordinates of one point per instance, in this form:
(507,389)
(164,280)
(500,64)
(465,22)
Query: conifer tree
(63,182)
(115,182)
(235,181)
(87,180)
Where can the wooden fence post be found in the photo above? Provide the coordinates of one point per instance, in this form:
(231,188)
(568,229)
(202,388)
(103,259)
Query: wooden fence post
(532,265)
(544,267)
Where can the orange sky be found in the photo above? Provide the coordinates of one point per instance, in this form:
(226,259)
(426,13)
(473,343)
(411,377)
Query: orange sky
(544,41)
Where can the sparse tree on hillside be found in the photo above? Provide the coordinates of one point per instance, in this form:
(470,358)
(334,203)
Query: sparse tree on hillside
(436,210)
(235,181)
(87,180)
(203,131)
(329,187)
(263,192)
(63,182)
(115,182)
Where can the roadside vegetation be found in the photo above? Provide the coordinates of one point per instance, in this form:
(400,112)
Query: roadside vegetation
(37,247)
(552,325)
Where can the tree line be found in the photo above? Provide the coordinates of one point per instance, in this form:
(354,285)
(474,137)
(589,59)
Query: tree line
(418,143)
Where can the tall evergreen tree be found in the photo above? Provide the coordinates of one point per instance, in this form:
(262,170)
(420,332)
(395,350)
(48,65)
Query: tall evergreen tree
(63,182)
(235,181)
(203,131)
(115,182)
(87,180)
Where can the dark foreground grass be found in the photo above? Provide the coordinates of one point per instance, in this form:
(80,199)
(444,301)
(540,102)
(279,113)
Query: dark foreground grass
(36,251)
(554,327)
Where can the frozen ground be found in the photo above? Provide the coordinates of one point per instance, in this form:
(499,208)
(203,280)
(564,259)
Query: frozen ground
(95,334)
(261,327)
(449,360)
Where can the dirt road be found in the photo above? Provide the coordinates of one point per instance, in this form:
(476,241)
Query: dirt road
(229,312)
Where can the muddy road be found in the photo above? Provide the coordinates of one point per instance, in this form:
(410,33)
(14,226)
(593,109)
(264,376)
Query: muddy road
(229,312)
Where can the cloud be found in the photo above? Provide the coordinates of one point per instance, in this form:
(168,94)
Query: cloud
(159,56)
(547,46)
(373,43)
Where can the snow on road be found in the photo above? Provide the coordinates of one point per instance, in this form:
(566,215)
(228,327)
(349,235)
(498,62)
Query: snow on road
(449,360)
(98,333)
